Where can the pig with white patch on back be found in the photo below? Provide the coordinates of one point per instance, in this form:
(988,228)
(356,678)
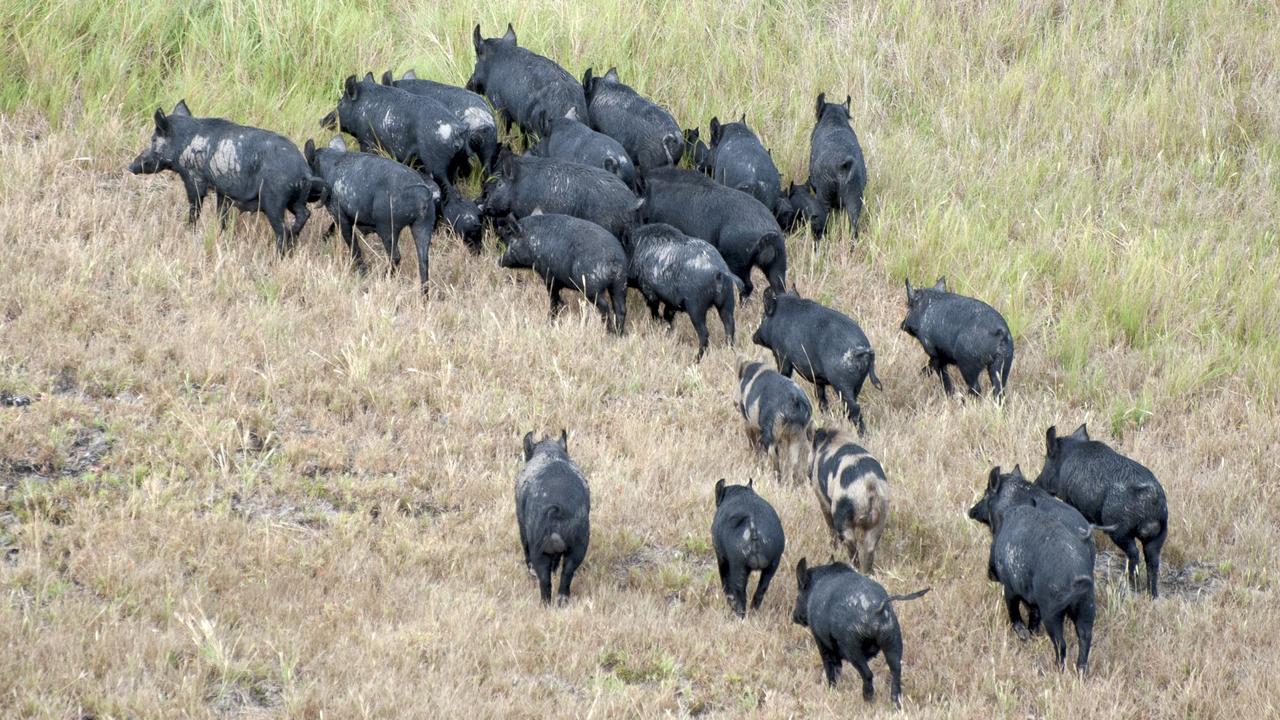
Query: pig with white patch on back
(526,185)
(572,140)
(778,418)
(1113,490)
(681,274)
(739,160)
(413,129)
(1041,563)
(651,136)
(837,170)
(371,193)
(826,347)
(852,493)
(247,168)
(852,619)
(553,511)
(961,331)
(479,129)
(739,226)
(747,536)
(569,253)
(525,88)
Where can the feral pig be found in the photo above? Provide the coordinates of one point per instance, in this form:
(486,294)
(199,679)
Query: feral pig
(375,194)
(414,129)
(778,418)
(741,228)
(1014,489)
(571,140)
(805,207)
(837,170)
(529,184)
(525,88)
(685,274)
(739,160)
(851,618)
(961,331)
(1113,490)
(480,131)
(747,536)
(553,510)
(251,169)
(1043,564)
(462,215)
(648,132)
(697,151)
(570,253)
(825,346)
(853,494)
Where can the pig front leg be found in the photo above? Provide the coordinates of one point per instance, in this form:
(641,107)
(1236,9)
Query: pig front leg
(195,197)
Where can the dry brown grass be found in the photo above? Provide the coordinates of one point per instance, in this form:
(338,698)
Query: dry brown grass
(260,488)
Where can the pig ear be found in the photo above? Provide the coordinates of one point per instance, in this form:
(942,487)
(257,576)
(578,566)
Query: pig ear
(587,80)
(611,164)
(751,483)
(509,35)
(911,293)
(639,204)
(1017,472)
(409,75)
(162,123)
(770,302)
(182,109)
(1051,441)
(388,78)
(1081,433)
(564,439)
(719,491)
(368,77)
(802,574)
(309,151)
(941,285)
(848,101)
(337,143)
(715,130)
(822,100)
(993,479)
(528,445)
(477,41)
(612,75)
(351,87)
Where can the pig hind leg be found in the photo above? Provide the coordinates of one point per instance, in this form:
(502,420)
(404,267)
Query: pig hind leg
(301,213)
(1053,625)
(1129,544)
(766,576)
(542,568)
(860,664)
(346,227)
(893,658)
(1013,604)
(698,316)
(830,662)
(940,367)
(1082,615)
(389,234)
(736,588)
(725,310)
(557,302)
(572,560)
(618,295)
(972,374)
(867,548)
(1151,554)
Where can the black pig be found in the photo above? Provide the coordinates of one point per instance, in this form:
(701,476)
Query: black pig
(851,618)
(747,536)
(413,129)
(1109,489)
(553,510)
(738,225)
(778,418)
(480,131)
(528,184)
(462,215)
(961,331)
(571,140)
(370,193)
(648,132)
(837,170)
(251,169)
(570,253)
(1014,489)
(684,274)
(805,207)
(526,88)
(825,346)
(739,160)
(1043,564)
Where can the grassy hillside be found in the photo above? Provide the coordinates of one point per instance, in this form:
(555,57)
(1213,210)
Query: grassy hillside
(260,487)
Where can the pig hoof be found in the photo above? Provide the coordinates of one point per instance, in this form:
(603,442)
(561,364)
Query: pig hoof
(1021,631)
